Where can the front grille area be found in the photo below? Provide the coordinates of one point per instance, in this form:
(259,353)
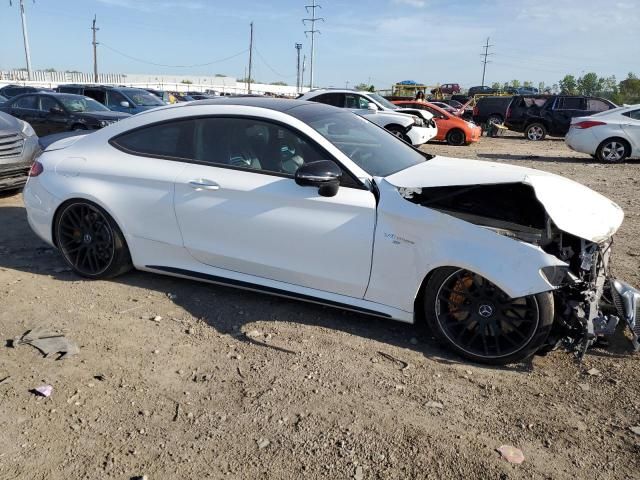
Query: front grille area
(11,145)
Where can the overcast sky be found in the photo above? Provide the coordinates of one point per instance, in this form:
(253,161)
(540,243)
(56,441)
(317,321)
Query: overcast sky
(381,41)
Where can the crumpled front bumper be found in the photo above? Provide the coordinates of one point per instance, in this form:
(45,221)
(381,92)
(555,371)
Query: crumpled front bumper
(627,302)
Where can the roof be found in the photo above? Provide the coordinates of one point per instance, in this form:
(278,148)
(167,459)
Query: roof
(278,104)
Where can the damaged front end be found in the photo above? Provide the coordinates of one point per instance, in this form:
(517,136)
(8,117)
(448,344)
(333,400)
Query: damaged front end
(589,301)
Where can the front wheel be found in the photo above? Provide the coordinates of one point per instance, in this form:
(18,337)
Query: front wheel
(456,137)
(535,132)
(479,321)
(90,241)
(398,132)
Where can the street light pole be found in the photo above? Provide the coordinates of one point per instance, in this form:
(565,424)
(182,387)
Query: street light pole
(26,38)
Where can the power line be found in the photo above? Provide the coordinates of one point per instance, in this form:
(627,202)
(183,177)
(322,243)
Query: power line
(312,8)
(485,61)
(102,44)
(270,67)
(25,36)
(95,53)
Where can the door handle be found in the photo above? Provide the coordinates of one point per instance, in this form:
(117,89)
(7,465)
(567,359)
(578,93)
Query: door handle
(204,184)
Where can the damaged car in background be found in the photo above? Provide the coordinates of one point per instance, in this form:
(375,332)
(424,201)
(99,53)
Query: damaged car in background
(308,201)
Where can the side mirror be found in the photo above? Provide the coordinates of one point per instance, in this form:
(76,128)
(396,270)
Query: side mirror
(56,111)
(125,104)
(372,107)
(323,174)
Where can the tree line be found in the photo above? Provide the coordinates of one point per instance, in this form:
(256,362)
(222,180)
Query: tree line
(626,91)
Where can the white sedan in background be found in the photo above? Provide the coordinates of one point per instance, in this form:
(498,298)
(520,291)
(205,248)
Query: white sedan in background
(611,136)
(312,202)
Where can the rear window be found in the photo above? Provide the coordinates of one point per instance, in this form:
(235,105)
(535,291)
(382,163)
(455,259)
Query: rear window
(30,102)
(570,103)
(635,114)
(170,139)
(596,105)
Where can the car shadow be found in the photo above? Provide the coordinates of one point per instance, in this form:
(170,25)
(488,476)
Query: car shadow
(229,310)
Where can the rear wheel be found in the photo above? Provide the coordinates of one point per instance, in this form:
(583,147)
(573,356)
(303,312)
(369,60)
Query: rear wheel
(456,137)
(90,241)
(495,119)
(535,132)
(480,322)
(613,150)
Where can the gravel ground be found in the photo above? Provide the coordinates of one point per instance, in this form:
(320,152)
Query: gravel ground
(241,385)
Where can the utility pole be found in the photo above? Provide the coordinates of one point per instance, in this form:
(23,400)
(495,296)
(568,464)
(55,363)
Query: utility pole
(312,9)
(298,81)
(95,52)
(485,61)
(250,58)
(25,36)
(304,69)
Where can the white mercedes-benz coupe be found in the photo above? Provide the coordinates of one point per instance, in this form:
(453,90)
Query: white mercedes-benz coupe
(309,201)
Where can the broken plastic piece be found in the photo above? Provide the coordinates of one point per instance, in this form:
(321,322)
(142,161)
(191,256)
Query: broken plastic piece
(49,341)
(43,391)
(511,454)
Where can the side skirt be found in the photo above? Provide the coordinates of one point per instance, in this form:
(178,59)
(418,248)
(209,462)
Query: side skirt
(263,289)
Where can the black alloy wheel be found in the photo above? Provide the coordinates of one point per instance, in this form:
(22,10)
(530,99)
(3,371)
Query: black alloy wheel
(90,241)
(456,138)
(479,321)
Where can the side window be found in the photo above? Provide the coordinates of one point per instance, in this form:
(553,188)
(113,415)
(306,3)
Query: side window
(363,102)
(251,144)
(29,102)
(47,103)
(114,99)
(351,101)
(334,99)
(595,105)
(635,114)
(171,139)
(97,95)
(571,103)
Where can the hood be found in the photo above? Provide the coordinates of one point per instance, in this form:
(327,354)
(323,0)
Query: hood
(103,115)
(9,124)
(416,111)
(383,118)
(574,208)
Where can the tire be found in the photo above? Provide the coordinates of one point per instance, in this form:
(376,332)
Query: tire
(90,241)
(613,150)
(535,132)
(398,132)
(456,137)
(495,118)
(458,301)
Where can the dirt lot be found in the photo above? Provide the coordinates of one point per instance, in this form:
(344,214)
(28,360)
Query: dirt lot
(241,385)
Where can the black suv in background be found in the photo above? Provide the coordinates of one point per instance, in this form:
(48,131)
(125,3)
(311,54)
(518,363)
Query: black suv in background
(9,91)
(491,110)
(540,115)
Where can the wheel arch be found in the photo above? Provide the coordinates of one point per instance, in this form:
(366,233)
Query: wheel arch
(85,198)
(622,140)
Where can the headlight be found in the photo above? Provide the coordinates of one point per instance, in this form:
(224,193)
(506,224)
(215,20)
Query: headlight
(27,130)
(104,123)
(418,121)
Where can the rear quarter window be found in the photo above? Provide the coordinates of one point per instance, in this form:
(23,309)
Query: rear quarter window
(165,140)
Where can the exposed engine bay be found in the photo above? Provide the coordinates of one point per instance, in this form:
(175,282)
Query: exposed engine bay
(589,302)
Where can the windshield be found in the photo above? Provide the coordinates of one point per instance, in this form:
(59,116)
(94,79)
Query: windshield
(370,147)
(82,104)
(143,98)
(382,101)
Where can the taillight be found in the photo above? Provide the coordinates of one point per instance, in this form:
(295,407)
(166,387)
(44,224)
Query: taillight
(587,124)
(36,169)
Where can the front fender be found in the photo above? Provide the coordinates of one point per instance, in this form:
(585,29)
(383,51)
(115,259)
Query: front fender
(411,241)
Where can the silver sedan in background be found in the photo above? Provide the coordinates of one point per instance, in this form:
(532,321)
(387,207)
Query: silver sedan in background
(18,147)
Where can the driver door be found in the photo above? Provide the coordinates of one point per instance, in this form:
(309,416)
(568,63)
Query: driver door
(240,209)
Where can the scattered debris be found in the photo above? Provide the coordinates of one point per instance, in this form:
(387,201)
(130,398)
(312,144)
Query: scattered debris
(511,454)
(434,405)
(100,377)
(594,372)
(5,380)
(172,296)
(359,475)
(635,429)
(263,443)
(140,477)
(584,387)
(157,318)
(43,390)
(253,334)
(177,414)
(48,341)
(404,365)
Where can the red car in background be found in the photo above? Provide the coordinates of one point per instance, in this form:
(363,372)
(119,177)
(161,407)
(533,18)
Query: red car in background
(447,88)
(451,129)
